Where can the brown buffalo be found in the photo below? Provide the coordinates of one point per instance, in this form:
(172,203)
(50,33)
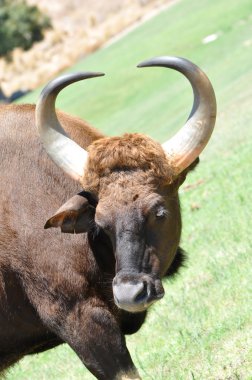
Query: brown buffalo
(121,220)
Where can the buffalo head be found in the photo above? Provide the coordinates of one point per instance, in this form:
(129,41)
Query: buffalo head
(131,186)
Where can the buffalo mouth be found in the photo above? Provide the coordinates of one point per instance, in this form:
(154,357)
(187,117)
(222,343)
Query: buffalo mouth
(136,292)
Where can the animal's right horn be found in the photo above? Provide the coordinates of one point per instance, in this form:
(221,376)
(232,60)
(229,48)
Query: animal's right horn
(183,148)
(66,153)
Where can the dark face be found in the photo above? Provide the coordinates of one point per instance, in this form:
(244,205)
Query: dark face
(143,224)
(144,228)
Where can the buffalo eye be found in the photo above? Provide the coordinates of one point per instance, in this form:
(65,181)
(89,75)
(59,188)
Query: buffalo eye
(161,213)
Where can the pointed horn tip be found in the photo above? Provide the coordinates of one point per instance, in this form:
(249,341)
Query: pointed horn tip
(86,75)
(144,64)
(166,61)
(99,74)
(57,84)
(155,61)
(78,76)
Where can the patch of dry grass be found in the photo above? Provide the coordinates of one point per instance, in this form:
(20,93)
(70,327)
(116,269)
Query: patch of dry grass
(78,30)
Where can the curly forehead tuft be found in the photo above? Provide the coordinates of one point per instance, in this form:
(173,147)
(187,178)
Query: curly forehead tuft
(129,153)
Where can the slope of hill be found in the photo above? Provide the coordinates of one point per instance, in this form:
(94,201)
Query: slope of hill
(79,27)
(201,329)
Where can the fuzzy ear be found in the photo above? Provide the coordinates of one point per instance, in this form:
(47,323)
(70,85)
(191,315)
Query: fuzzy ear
(74,216)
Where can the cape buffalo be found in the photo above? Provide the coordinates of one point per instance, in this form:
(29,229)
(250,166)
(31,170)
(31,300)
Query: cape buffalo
(118,206)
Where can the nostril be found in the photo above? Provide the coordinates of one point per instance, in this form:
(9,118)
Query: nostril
(142,293)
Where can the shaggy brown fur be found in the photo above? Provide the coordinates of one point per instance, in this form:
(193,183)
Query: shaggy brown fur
(111,157)
(57,288)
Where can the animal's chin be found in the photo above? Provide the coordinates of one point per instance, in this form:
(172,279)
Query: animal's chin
(136,308)
(135,293)
(133,308)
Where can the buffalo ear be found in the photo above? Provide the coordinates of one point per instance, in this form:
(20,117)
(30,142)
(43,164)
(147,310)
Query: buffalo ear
(182,176)
(74,216)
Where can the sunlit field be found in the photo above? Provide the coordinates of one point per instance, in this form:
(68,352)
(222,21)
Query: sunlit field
(202,329)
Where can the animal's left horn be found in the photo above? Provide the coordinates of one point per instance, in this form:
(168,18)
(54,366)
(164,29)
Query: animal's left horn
(183,148)
(66,153)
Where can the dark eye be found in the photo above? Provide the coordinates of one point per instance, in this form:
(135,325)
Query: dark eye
(161,213)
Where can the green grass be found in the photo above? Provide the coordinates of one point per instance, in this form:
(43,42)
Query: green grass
(201,330)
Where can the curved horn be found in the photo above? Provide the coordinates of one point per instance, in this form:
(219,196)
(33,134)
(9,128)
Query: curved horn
(191,139)
(66,153)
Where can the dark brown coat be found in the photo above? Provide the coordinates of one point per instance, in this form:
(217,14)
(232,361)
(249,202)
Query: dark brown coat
(57,287)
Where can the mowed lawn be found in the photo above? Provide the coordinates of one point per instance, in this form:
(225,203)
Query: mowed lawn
(201,330)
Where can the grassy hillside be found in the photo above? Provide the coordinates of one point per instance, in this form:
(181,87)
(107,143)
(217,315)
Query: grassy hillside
(202,328)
